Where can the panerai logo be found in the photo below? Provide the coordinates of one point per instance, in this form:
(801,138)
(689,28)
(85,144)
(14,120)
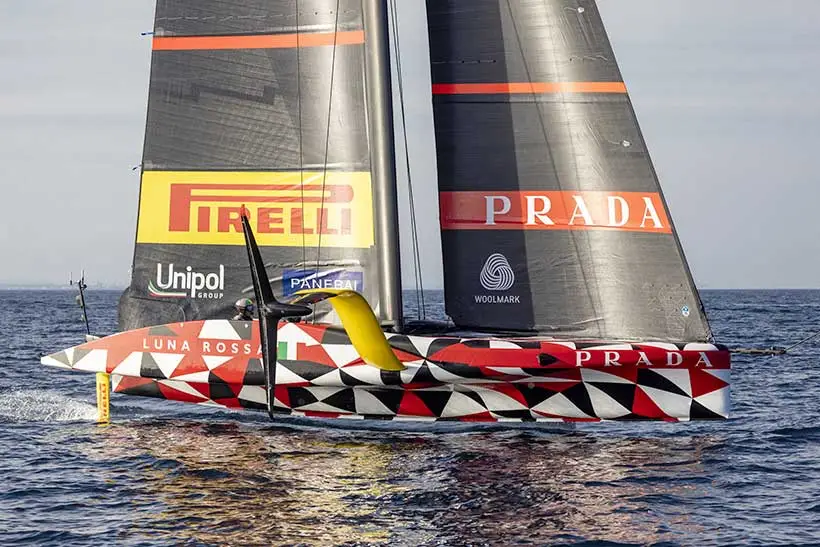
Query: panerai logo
(181,283)
(497,275)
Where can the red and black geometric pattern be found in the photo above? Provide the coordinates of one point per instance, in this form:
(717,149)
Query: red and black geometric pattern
(319,373)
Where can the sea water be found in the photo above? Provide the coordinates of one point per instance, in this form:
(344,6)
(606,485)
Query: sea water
(172,473)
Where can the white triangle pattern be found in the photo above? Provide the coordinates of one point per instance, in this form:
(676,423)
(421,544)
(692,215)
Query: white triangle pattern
(605,406)
(213,361)
(672,404)
(218,329)
(461,405)
(497,401)
(167,362)
(367,403)
(559,405)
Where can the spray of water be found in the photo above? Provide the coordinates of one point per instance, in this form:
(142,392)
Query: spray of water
(44,406)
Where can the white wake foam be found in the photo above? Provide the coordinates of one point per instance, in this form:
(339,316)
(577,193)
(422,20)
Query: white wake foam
(44,406)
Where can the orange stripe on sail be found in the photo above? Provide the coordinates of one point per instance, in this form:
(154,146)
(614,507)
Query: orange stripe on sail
(263,41)
(515,88)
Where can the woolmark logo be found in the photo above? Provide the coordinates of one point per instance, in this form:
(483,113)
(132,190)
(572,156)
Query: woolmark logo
(497,274)
(181,283)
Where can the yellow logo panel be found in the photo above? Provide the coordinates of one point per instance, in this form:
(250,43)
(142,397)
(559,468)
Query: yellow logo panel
(287,209)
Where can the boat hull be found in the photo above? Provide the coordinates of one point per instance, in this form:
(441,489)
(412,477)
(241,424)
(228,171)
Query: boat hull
(319,373)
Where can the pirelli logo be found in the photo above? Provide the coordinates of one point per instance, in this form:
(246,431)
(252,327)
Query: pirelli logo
(287,209)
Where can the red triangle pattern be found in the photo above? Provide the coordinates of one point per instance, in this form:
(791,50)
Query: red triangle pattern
(176,395)
(412,405)
(703,382)
(233,371)
(643,405)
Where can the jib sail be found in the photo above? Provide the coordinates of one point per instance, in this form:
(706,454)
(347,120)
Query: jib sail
(254,103)
(552,216)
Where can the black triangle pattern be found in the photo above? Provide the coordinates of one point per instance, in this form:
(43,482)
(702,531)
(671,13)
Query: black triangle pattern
(650,378)
(350,380)
(254,374)
(161,330)
(521,414)
(300,396)
(243,329)
(579,396)
(149,367)
(335,336)
(624,394)
(309,370)
(403,343)
(425,376)
(148,389)
(61,357)
(391,398)
(462,371)
(344,400)
(79,353)
(536,395)
(439,344)
(218,388)
(434,400)
(391,377)
(699,412)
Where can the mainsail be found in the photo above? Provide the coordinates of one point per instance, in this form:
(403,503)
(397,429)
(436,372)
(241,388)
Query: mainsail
(258,103)
(552,216)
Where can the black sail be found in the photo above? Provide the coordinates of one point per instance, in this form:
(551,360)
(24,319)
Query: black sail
(552,216)
(252,103)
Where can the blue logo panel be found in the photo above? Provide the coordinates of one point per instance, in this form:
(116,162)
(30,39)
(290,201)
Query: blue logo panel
(337,278)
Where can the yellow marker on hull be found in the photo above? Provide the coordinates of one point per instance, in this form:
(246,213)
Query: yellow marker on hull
(103,398)
(359,322)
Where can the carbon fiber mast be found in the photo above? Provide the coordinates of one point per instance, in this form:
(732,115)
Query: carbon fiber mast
(383,159)
(270,310)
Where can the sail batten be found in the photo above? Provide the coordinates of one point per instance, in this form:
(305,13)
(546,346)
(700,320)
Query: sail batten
(545,181)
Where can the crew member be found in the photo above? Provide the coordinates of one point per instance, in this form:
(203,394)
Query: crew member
(244,310)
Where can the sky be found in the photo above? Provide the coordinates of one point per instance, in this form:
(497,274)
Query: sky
(725,92)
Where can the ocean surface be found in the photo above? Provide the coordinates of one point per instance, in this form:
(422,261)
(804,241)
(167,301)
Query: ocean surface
(176,474)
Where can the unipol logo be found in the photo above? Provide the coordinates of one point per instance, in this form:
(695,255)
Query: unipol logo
(497,274)
(182,283)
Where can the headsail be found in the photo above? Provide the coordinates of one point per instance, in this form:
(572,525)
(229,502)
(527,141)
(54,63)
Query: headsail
(252,102)
(552,216)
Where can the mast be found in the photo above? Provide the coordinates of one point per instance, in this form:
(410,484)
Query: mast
(383,160)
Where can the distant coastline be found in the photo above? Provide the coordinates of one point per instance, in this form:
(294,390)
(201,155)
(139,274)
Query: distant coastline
(53,287)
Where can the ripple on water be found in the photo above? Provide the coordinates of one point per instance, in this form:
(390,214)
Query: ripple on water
(171,474)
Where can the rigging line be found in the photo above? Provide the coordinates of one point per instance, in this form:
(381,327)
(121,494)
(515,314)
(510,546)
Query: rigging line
(803,341)
(327,138)
(572,235)
(417,272)
(299,122)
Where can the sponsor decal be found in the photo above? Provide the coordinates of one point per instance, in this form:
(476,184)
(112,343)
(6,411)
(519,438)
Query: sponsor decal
(339,278)
(497,275)
(613,358)
(554,210)
(184,282)
(207,347)
(290,209)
